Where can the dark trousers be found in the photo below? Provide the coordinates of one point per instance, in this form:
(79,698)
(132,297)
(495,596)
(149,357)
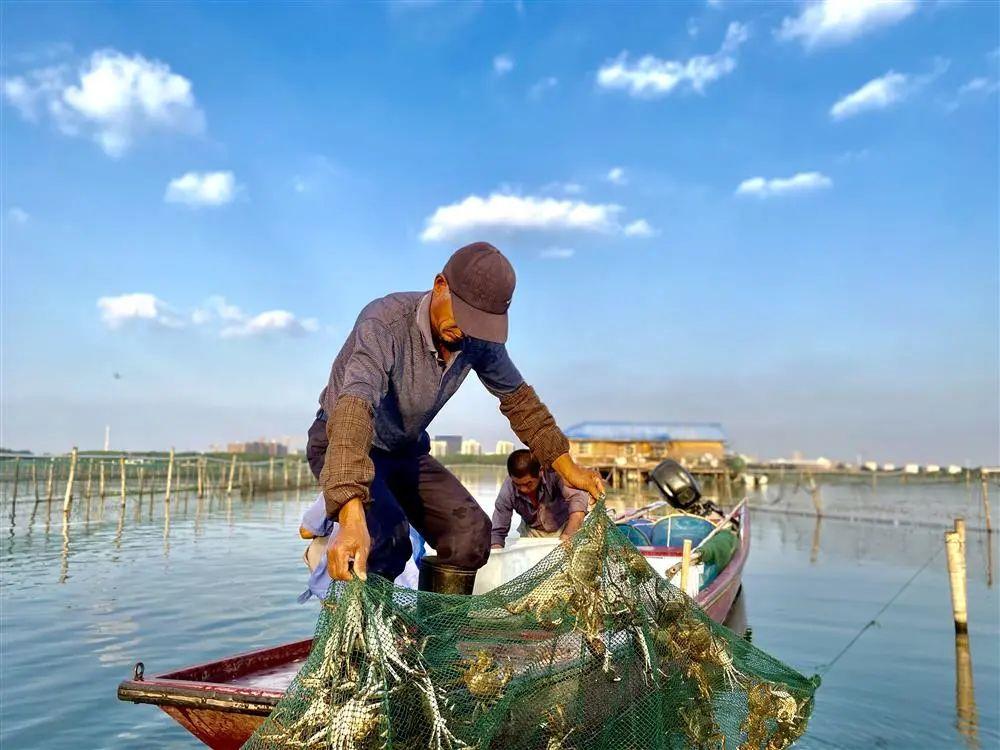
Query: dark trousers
(412,488)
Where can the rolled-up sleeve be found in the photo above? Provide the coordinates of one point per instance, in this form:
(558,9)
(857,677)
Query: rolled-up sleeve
(503,510)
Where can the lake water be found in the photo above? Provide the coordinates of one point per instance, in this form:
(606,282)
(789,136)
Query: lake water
(222,576)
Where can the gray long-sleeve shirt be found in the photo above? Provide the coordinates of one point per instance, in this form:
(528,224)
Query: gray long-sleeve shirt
(390,362)
(556,500)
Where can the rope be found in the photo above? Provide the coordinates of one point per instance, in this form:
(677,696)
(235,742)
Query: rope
(874,620)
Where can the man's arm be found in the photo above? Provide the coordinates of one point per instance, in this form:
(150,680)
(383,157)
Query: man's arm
(572,525)
(348,469)
(530,419)
(577,502)
(503,510)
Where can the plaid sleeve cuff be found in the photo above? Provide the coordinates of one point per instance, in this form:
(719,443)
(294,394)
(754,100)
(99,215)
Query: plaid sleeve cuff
(348,471)
(533,424)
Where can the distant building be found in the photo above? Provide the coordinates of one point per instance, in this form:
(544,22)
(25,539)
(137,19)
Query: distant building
(797,462)
(439,448)
(599,442)
(260,447)
(471,447)
(453,444)
(504,448)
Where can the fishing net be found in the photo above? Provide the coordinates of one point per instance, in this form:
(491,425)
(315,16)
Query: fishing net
(588,649)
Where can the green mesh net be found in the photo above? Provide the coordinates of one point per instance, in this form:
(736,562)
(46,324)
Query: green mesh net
(588,649)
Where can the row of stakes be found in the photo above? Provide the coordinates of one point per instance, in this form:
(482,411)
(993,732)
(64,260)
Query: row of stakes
(244,479)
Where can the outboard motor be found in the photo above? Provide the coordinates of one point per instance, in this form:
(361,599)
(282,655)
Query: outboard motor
(677,485)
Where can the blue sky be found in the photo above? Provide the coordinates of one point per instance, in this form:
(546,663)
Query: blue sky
(782,217)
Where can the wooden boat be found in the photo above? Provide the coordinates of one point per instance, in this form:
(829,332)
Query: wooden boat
(223,702)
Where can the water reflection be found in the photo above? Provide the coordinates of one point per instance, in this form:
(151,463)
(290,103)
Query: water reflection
(967,717)
(814,552)
(989,560)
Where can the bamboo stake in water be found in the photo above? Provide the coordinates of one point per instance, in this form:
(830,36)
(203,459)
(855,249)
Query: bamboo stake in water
(685,565)
(201,479)
(68,499)
(232,472)
(986,500)
(121,473)
(48,487)
(90,479)
(170,475)
(956,576)
(13,502)
(34,478)
(270,474)
(17,470)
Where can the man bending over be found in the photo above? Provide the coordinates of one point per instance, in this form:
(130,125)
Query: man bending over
(546,504)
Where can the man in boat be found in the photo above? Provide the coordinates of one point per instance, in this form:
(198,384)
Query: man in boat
(548,507)
(406,356)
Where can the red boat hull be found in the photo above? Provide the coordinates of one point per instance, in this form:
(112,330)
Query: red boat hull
(222,703)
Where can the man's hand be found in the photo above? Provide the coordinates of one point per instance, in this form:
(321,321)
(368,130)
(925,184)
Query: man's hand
(496,546)
(351,542)
(579,477)
(573,524)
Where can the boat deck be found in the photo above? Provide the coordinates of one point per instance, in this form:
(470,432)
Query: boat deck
(276,678)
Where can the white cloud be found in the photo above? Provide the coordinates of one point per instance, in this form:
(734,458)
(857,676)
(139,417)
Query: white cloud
(502,211)
(111,98)
(116,311)
(650,76)
(217,307)
(886,91)
(503,64)
(216,315)
(639,228)
(202,189)
(616,175)
(879,93)
(798,183)
(830,22)
(18,215)
(557,253)
(232,322)
(978,85)
(271,321)
(543,86)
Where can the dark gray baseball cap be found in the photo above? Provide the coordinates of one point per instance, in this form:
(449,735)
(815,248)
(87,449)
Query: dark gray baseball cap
(481,281)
